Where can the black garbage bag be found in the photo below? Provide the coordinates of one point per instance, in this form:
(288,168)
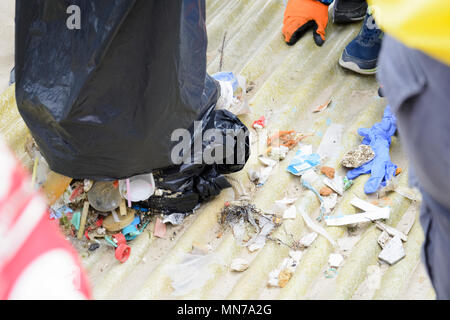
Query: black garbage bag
(188,184)
(102,101)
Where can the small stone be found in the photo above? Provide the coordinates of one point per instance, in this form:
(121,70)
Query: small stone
(328,171)
(357,157)
(325,191)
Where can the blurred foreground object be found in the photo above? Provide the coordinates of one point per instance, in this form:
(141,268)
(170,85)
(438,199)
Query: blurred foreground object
(36,262)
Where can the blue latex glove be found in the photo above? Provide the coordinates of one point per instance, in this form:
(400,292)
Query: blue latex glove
(379,139)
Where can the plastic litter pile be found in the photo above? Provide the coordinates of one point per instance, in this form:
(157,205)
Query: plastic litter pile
(371,157)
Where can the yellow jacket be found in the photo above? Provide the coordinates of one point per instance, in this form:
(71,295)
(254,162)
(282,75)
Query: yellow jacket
(419,24)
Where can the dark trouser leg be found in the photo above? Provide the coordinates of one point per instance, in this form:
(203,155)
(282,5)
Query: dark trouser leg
(418,89)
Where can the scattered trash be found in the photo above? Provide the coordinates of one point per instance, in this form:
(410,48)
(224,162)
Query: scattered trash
(94,246)
(131,231)
(322,107)
(337,184)
(285,206)
(260,123)
(103,196)
(317,228)
(278,153)
(391,231)
(303,160)
(407,221)
(260,175)
(325,191)
(232,93)
(239,265)
(330,272)
(87,185)
(288,139)
(308,239)
(330,145)
(76,219)
(280,276)
(393,251)
(364,205)
(84,214)
(335,260)
(383,239)
(284,277)
(259,240)
(290,213)
(381,168)
(347,183)
(122,252)
(160,229)
(328,203)
(357,157)
(367,216)
(174,218)
(328,171)
(240,211)
(142,186)
(114,223)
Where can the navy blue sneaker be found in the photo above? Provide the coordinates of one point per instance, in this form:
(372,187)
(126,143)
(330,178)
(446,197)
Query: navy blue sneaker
(361,54)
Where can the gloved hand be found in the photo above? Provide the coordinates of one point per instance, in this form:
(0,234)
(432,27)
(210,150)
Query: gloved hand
(379,139)
(300,15)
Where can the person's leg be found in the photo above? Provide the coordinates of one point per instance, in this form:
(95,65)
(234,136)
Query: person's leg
(347,11)
(416,87)
(361,54)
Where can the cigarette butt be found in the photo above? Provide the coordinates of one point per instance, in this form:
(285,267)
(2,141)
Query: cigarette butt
(83,220)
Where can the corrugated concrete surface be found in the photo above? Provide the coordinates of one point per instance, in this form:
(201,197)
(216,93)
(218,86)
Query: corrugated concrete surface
(288,83)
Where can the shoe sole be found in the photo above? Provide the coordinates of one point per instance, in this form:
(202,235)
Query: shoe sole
(354,67)
(344,20)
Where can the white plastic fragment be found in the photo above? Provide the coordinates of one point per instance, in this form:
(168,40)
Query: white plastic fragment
(391,231)
(328,203)
(393,251)
(317,228)
(407,221)
(287,266)
(279,153)
(259,240)
(383,239)
(382,213)
(174,218)
(115,216)
(290,213)
(331,142)
(363,205)
(335,260)
(239,265)
(87,185)
(336,184)
(308,239)
(267,161)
